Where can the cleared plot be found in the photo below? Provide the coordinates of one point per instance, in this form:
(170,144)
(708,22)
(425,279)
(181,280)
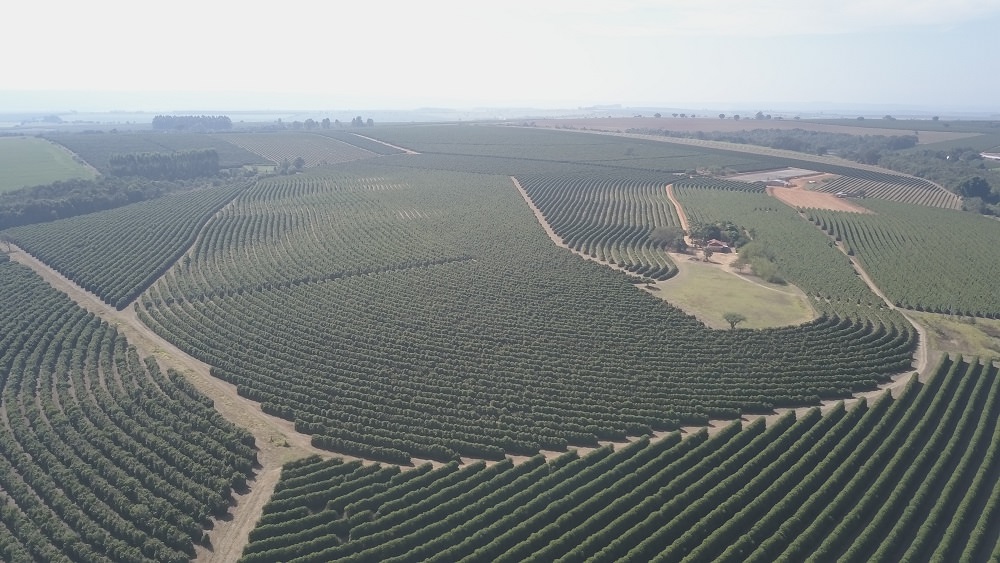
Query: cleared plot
(710,290)
(513,347)
(314,149)
(923,258)
(912,478)
(102,456)
(804,199)
(30,161)
(117,253)
(97,148)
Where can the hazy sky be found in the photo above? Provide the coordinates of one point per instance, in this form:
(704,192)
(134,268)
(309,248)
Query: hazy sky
(546,53)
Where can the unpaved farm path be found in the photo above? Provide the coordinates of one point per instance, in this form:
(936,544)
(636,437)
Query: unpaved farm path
(276,439)
(715,425)
(404,149)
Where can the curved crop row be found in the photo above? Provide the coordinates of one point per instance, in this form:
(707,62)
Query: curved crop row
(926,259)
(915,192)
(102,456)
(611,220)
(118,253)
(520,347)
(900,479)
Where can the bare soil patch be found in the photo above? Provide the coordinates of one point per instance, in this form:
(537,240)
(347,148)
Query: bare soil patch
(799,198)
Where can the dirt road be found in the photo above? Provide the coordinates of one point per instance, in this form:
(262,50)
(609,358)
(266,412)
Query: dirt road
(276,438)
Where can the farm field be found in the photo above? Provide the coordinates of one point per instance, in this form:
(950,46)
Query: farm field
(908,478)
(923,258)
(117,254)
(402,308)
(102,455)
(314,149)
(30,161)
(929,132)
(98,148)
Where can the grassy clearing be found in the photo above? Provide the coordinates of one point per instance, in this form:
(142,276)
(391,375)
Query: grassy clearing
(968,336)
(708,291)
(30,161)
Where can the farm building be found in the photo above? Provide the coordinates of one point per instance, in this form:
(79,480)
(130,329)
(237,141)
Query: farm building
(716,245)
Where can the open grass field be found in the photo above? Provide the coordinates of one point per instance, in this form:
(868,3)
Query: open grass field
(969,336)
(30,161)
(710,290)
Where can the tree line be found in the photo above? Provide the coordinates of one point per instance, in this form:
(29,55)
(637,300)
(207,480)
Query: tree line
(192,122)
(179,165)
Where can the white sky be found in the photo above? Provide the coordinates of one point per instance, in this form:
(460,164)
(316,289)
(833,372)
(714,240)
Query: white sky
(404,54)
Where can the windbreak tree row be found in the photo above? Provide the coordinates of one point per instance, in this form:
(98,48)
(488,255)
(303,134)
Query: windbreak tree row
(102,456)
(899,479)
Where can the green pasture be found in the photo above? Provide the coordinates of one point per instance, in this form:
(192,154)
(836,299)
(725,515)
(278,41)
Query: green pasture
(969,336)
(30,161)
(710,290)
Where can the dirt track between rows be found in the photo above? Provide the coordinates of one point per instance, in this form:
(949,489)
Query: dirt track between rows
(277,441)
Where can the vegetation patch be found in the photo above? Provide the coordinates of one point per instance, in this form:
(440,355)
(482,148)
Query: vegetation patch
(30,161)
(969,336)
(710,290)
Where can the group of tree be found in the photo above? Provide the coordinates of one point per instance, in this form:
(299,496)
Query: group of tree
(361,122)
(730,233)
(180,165)
(192,123)
(670,237)
(761,260)
(961,170)
(70,198)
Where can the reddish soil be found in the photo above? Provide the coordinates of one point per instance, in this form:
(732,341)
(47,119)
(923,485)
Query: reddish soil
(799,198)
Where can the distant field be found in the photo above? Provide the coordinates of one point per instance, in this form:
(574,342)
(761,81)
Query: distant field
(928,134)
(97,148)
(315,150)
(30,161)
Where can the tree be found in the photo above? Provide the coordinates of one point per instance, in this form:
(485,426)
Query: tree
(370,122)
(888,117)
(736,117)
(733,319)
(740,263)
(657,115)
(299,163)
(722,116)
(325,124)
(975,187)
(708,254)
(759,115)
(935,118)
(675,115)
(670,237)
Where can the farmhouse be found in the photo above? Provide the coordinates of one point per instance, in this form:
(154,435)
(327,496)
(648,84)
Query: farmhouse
(716,245)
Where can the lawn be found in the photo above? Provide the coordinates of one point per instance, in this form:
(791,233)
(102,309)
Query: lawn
(968,336)
(30,161)
(710,290)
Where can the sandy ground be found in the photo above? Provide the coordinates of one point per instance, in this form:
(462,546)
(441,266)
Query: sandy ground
(799,198)
(713,123)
